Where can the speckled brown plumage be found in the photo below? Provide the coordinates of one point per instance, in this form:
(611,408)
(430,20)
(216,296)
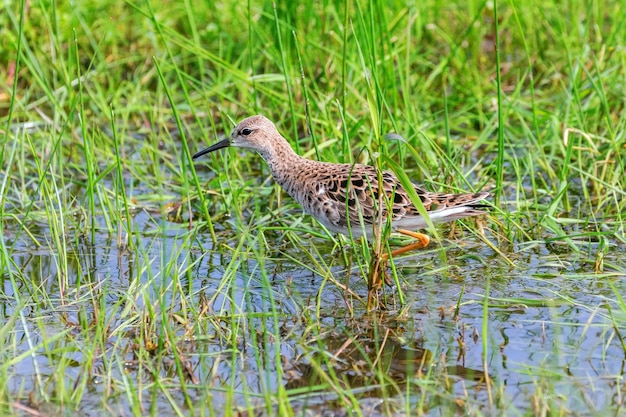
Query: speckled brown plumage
(340,195)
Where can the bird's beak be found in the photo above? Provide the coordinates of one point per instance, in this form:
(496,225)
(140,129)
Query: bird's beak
(219,145)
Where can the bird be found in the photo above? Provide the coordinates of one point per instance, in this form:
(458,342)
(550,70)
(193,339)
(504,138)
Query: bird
(348,198)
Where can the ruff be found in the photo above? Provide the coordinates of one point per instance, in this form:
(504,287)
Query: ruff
(345,197)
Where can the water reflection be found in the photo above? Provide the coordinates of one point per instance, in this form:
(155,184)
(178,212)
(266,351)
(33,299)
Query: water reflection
(263,325)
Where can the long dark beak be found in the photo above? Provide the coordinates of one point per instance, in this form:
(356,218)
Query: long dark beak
(219,145)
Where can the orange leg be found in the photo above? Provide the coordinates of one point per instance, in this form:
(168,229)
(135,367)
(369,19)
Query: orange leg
(378,265)
(422,242)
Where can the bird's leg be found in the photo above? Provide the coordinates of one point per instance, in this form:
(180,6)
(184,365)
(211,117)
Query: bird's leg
(422,242)
(376,276)
(377,272)
(378,264)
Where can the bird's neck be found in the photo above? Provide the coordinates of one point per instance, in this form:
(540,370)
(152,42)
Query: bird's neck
(284,163)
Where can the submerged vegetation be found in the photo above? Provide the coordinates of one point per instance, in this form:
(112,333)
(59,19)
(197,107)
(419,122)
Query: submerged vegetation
(139,283)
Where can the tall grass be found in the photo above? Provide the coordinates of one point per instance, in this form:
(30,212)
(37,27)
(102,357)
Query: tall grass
(138,282)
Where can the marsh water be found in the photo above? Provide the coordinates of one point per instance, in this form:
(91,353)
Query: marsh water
(541,329)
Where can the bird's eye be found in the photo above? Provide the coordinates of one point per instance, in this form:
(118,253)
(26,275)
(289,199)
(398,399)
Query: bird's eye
(246,131)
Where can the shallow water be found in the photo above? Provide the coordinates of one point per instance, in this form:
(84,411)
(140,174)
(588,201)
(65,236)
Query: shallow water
(549,332)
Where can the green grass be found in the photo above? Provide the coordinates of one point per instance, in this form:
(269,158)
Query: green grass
(137,282)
